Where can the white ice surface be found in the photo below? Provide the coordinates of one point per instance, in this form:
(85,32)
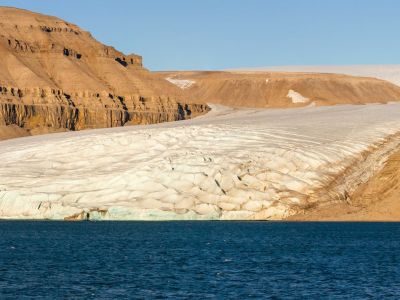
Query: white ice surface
(181,83)
(229,164)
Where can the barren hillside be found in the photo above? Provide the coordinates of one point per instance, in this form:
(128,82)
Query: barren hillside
(282,89)
(375,200)
(55,76)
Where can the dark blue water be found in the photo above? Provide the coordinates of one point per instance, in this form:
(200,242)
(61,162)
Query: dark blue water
(219,260)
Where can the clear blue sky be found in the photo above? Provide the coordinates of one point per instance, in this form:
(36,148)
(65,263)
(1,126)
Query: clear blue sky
(219,34)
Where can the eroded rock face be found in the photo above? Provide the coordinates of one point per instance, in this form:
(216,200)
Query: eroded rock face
(55,75)
(55,109)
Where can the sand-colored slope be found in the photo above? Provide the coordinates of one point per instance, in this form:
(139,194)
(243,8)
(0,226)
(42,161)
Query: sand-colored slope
(54,76)
(376,200)
(12,131)
(276,89)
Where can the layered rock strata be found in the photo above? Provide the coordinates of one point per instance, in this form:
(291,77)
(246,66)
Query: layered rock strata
(55,76)
(38,108)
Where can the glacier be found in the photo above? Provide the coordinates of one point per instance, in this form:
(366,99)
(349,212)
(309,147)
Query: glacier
(231,164)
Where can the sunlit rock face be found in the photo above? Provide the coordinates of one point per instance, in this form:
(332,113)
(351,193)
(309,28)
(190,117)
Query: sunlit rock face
(230,164)
(54,76)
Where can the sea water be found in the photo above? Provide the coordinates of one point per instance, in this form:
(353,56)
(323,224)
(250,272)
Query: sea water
(199,260)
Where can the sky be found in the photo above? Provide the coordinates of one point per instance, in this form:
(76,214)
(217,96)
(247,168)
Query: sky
(229,34)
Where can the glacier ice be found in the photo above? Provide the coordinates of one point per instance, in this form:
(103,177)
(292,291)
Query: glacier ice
(228,164)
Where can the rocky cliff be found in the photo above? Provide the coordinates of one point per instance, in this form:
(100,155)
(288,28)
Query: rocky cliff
(55,76)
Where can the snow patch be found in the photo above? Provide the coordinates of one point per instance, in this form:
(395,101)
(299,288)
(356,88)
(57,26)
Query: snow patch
(297,97)
(181,83)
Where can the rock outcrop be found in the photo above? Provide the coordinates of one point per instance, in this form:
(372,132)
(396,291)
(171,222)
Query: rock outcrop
(33,108)
(55,76)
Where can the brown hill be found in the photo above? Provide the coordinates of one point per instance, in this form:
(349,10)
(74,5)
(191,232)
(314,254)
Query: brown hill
(55,76)
(282,89)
